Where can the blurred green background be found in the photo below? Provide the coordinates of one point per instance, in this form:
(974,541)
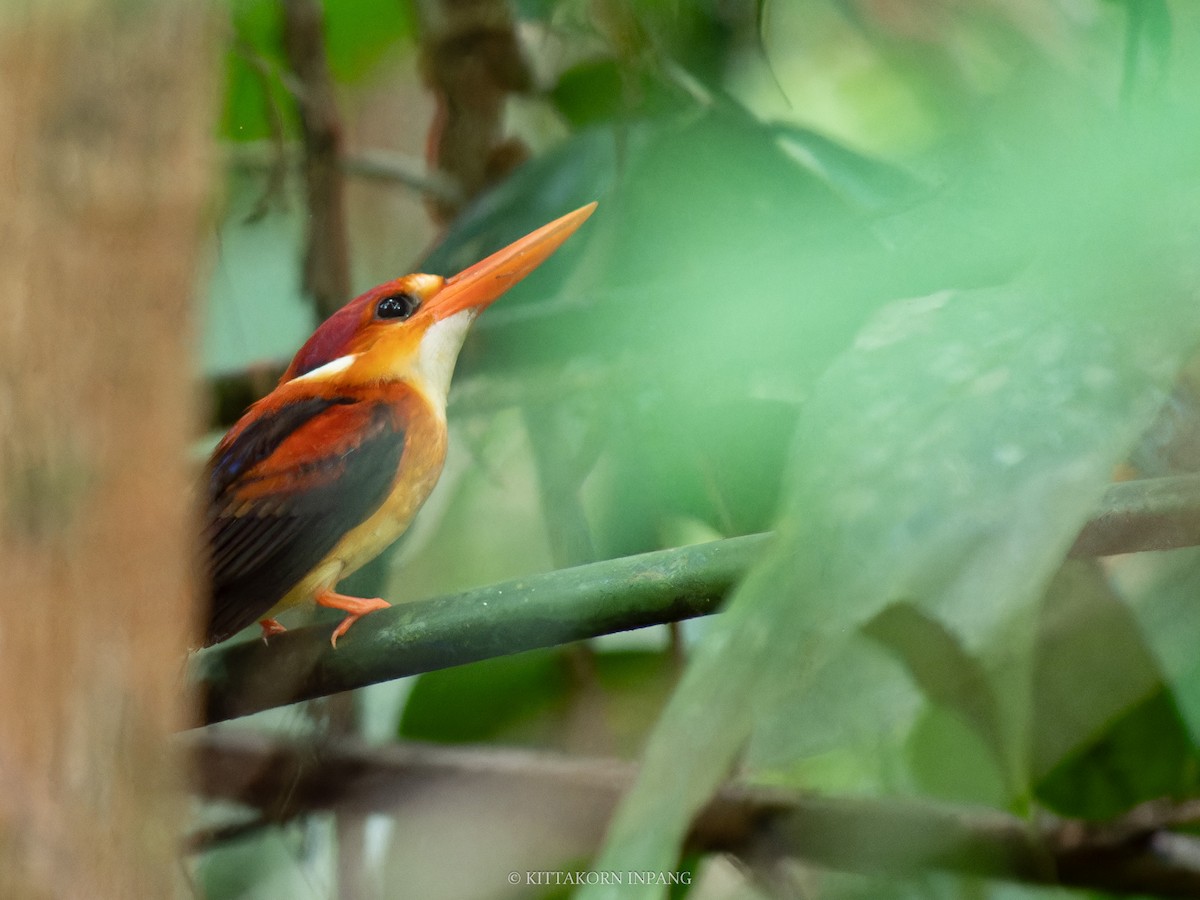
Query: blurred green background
(905,281)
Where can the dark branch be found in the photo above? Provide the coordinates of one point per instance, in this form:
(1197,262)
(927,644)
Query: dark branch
(1137,854)
(906,837)
(326,255)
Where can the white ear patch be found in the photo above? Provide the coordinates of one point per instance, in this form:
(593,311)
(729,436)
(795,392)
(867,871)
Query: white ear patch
(341,364)
(439,352)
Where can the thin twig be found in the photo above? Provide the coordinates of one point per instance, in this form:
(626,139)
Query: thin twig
(391,167)
(276,164)
(1150,514)
(399,168)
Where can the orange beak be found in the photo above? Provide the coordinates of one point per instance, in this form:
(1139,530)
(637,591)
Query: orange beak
(477,286)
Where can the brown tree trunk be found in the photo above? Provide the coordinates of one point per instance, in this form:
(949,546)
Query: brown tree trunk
(106,112)
(472,61)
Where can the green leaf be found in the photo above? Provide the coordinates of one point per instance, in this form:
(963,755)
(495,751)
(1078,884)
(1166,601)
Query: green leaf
(1148,30)
(698,348)
(951,761)
(1147,754)
(544,698)
(358,35)
(253,93)
(589,92)
(361,33)
(1092,668)
(947,674)
(485,700)
(950,456)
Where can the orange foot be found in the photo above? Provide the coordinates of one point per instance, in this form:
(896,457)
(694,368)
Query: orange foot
(270,628)
(355,606)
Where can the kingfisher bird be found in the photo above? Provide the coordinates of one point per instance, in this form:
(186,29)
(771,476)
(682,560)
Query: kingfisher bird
(322,474)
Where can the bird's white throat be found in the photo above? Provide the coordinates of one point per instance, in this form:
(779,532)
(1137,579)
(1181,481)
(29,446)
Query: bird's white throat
(439,352)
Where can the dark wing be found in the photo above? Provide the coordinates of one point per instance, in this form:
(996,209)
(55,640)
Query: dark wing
(283,491)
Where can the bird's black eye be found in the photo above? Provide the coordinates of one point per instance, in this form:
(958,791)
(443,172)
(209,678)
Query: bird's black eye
(397,306)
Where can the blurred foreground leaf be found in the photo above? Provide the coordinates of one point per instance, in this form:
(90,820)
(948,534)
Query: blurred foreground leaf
(947,459)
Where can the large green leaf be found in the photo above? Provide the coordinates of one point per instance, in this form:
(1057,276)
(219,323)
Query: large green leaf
(948,459)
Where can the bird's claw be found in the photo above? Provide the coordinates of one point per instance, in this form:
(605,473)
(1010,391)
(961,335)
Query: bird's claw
(270,628)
